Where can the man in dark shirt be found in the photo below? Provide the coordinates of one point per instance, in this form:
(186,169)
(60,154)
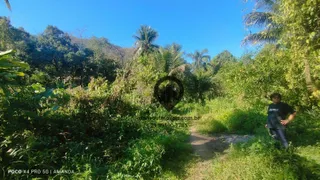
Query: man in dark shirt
(277,118)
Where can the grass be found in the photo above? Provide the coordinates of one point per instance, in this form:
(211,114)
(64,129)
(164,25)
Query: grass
(168,155)
(261,157)
(223,115)
(310,152)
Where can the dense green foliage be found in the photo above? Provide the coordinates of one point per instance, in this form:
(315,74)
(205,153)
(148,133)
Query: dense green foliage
(73,108)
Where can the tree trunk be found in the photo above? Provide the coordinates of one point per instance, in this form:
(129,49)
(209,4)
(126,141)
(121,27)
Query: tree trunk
(307,72)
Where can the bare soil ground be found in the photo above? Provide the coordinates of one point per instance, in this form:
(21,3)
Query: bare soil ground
(206,148)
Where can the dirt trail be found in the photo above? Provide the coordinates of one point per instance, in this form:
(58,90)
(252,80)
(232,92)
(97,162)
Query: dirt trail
(205,148)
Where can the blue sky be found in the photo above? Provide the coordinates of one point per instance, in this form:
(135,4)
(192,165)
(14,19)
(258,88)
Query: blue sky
(213,24)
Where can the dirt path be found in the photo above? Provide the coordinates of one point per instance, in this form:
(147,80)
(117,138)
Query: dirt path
(206,147)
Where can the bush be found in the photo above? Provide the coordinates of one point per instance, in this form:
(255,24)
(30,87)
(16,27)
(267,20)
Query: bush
(61,129)
(225,115)
(245,121)
(208,124)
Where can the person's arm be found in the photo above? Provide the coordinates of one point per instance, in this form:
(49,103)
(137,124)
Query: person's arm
(291,116)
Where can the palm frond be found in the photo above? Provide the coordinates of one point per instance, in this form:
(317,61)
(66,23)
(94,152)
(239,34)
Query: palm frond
(152,36)
(265,36)
(8,4)
(136,37)
(272,30)
(176,47)
(207,57)
(168,60)
(204,51)
(180,68)
(190,55)
(258,19)
(10,67)
(177,56)
(155,46)
(268,4)
(5,52)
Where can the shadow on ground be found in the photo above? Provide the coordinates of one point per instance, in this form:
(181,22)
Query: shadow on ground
(207,146)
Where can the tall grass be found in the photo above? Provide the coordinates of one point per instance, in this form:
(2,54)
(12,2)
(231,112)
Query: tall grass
(223,115)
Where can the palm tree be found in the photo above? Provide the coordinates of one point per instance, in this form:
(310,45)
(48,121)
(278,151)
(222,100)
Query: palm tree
(8,4)
(272,30)
(170,60)
(174,47)
(145,37)
(200,59)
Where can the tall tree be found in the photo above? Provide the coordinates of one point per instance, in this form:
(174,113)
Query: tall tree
(301,20)
(198,83)
(219,60)
(145,38)
(60,57)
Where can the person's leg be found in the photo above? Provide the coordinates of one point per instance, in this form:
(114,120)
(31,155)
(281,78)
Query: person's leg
(281,136)
(273,133)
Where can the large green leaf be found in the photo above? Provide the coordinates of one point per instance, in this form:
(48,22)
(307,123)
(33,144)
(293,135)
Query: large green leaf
(10,67)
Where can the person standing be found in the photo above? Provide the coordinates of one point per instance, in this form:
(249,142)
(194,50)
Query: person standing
(278,118)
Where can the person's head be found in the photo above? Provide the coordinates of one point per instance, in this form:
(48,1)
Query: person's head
(275,98)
